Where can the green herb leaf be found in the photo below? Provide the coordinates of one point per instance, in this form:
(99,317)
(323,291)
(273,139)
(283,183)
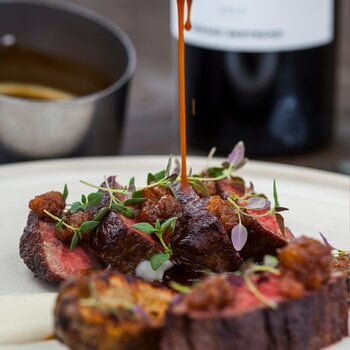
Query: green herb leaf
(159,176)
(83,199)
(199,187)
(134,201)
(275,195)
(158,260)
(88,226)
(150,178)
(101,214)
(118,207)
(95,198)
(157,226)
(169,223)
(59,224)
(129,213)
(75,207)
(144,227)
(74,241)
(132,181)
(65,192)
(215,172)
(180,288)
(137,194)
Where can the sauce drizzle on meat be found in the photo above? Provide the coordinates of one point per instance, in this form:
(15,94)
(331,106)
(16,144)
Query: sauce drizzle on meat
(181,79)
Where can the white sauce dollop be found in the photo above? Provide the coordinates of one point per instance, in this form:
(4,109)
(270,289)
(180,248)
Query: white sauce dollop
(26,318)
(145,271)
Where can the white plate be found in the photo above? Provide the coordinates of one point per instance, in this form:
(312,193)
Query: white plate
(318,202)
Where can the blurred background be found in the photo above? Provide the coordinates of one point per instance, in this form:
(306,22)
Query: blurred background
(150,126)
(151,105)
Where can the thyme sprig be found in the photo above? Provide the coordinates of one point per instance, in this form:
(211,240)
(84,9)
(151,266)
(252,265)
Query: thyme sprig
(255,206)
(159,231)
(251,269)
(84,228)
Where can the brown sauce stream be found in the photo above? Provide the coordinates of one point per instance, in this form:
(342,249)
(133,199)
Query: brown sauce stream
(182,25)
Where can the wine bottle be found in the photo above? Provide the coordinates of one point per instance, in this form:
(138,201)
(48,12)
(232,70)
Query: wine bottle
(261,72)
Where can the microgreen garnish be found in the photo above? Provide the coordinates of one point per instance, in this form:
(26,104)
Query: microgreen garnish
(335,251)
(85,227)
(159,231)
(253,205)
(180,288)
(250,270)
(92,200)
(239,236)
(65,192)
(158,260)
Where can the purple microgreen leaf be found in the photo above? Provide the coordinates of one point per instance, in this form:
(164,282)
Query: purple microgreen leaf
(241,164)
(326,242)
(177,168)
(257,203)
(280,222)
(239,236)
(236,157)
(138,310)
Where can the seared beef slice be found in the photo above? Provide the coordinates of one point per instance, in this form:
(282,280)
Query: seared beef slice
(50,259)
(312,322)
(120,245)
(264,235)
(199,240)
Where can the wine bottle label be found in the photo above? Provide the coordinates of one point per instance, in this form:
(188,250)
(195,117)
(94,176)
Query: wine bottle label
(259,25)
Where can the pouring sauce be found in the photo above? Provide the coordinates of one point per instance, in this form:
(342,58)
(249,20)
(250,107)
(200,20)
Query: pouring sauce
(182,26)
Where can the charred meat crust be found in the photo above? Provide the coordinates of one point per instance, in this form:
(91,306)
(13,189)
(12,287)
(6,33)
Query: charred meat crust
(199,239)
(122,246)
(92,326)
(262,240)
(312,322)
(50,259)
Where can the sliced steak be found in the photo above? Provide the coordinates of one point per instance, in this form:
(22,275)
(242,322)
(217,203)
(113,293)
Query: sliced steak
(240,321)
(225,188)
(50,259)
(264,235)
(199,240)
(120,245)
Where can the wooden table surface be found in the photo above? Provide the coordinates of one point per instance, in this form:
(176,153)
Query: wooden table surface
(152,99)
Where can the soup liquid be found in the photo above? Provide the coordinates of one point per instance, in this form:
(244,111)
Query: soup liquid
(33,75)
